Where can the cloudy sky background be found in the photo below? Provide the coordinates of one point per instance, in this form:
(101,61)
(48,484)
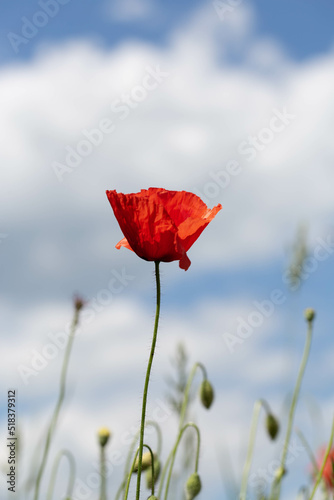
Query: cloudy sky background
(225,77)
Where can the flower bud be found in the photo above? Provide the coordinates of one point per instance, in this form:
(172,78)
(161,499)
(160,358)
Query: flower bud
(152,497)
(157,469)
(193,486)
(309,314)
(79,302)
(272,426)
(280,472)
(103,435)
(206,394)
(146,462)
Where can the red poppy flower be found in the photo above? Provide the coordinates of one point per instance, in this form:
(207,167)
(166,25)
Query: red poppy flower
(160,225)
(328,474)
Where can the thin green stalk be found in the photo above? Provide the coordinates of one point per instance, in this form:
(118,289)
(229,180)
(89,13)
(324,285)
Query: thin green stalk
(190,424)
(252,436)
(70,486)
(147,379)
(320,473)
(132,468)
(276,485)
(60,400)
(308,449)
(182,416)
(131,450)
(187,390)
(103,491)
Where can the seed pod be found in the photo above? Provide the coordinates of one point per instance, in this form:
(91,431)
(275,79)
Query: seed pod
(146,462)
(103,435)
(206,394)
(193,486)
(272,426)
(309,314)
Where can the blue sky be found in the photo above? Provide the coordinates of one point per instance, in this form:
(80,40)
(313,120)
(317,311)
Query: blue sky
(304,28)
(264,74)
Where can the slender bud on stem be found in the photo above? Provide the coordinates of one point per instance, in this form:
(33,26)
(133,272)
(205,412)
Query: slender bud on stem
(193,486)
(103,435)
(146,462)
(206,394)
(272,426)
(309,314)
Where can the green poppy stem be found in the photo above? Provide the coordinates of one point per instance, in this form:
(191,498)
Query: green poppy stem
(71,462)
(147,379)
(103,489)
(126,494)
(172,460)
(245,474)
(319,476)
(276,485)
(182,416)
(59,403)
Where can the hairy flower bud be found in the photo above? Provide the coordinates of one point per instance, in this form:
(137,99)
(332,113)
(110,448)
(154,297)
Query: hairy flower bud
(309,314)
(157,469)
(272,426)
(280,472)
(206,393)
(146,462)
(152,497)
(79,302)
(103,435)
(193,486)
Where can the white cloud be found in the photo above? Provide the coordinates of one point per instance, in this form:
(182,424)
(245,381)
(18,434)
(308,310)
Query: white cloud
(180,136)
(184,131)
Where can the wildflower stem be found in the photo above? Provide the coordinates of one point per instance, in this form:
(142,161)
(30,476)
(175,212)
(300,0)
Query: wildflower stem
(319,476)
(172,460)
(276,485)
(187,390)
(182,416)
(132,469)
(252,435)
(59,403)
(71,461)
(131,450)
(103,490)
(147,379)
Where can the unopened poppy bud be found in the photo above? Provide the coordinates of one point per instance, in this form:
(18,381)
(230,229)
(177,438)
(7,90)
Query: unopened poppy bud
(309,314)
(146,462)
(280,472)
(206,394)
(272,426)
(79,302)
(152,497)
(193,486)
(103,435)
(157,468)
